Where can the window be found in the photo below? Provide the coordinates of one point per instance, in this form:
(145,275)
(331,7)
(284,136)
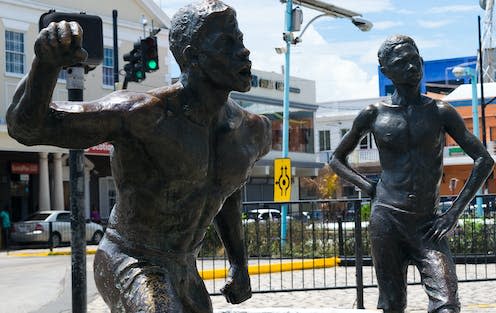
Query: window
(14,52)
(366,142)
(64,217)
(63,74)
(344,131)
(254,80)
(108,67)
(325,140)
(492,133)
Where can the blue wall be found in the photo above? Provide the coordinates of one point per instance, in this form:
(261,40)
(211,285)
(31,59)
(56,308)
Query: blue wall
(434,71)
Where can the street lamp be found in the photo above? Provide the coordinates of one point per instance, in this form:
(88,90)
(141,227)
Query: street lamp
(293,20)
(463,71)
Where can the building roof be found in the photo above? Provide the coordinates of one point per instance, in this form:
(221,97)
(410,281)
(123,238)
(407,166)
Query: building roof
(464,92)
(154,9)
(337,109)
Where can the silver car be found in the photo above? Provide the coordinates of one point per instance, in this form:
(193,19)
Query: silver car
(36,228)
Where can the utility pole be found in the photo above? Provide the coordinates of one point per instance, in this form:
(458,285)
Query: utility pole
(115,49)
(75,87)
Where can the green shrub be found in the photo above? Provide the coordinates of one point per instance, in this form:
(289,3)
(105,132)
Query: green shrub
(309,239)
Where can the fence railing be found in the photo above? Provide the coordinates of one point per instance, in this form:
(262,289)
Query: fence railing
(327,229)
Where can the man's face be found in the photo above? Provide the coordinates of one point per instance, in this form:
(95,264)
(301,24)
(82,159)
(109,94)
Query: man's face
(222,55)
(403,65)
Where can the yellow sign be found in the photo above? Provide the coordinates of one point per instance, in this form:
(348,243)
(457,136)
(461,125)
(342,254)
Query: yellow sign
(282,180)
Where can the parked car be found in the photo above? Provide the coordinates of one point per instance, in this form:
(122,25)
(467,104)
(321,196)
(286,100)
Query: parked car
(36,228)
(262,215)
(302,216)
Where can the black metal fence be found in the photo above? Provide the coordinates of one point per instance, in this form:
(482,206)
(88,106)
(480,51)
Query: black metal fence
(321,229)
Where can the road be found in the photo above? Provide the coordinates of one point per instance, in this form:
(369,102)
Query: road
(38,284)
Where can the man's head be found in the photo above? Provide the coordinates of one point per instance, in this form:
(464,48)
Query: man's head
(205,37)
(399,60)
(187,24)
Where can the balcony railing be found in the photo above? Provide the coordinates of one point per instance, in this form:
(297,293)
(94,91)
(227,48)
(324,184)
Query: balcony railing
(360,156)
(451,154)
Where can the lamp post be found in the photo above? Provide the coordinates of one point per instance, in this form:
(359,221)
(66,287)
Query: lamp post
(461,71)
(293,20)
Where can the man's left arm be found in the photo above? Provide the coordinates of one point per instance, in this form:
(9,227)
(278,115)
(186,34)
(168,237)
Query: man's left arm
(483,165)
(230,230)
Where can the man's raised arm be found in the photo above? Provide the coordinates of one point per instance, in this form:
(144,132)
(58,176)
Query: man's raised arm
(33,119)
(361,125)
(57,45)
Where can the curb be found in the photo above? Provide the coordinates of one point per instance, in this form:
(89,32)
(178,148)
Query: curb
(49,253)
(277,267)
(209,274)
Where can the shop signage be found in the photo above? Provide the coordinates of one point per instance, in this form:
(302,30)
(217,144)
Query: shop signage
(456,151)
(101,149)
(271,84)
(24,168)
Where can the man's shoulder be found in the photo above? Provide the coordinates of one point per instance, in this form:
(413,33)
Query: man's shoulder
(370,111)
(245,123)
(444,107)
(237,116)
(166,92)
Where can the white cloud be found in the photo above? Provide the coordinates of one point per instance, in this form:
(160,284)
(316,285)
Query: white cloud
(456,8)
(382,25)
(336,76)
(434,23)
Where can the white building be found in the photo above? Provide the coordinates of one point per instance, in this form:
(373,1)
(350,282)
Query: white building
(33,178)
(265,97)
(334,119)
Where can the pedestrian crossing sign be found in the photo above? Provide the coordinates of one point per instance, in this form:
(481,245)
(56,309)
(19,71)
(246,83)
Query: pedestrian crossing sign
(282,180)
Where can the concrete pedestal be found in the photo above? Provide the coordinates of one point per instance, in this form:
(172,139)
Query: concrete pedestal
(294,310)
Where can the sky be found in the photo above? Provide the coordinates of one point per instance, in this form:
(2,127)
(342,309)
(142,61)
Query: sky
(340,58)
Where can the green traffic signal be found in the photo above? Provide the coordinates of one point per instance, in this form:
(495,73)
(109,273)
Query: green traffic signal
(139,75)
(152,64)
(149,54)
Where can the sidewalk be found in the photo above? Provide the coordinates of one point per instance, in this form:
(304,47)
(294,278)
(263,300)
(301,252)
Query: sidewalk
(475,297)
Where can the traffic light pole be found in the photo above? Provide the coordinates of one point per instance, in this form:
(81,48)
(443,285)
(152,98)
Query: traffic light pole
(285,118)
(124,84)
(75,87)
(115,48)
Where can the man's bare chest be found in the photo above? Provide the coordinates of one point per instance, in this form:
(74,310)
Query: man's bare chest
(179,152)
(407,128)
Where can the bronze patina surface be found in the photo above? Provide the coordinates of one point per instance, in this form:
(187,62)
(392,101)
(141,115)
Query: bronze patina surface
(409,131)
(181,155)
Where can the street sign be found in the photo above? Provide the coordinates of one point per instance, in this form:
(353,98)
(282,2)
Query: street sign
(282,180)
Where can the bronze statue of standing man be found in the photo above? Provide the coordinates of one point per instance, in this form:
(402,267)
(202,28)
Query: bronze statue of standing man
(181,155)
(409,130)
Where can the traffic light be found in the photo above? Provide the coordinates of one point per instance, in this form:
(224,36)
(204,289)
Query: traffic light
(149,53)
(135,71)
